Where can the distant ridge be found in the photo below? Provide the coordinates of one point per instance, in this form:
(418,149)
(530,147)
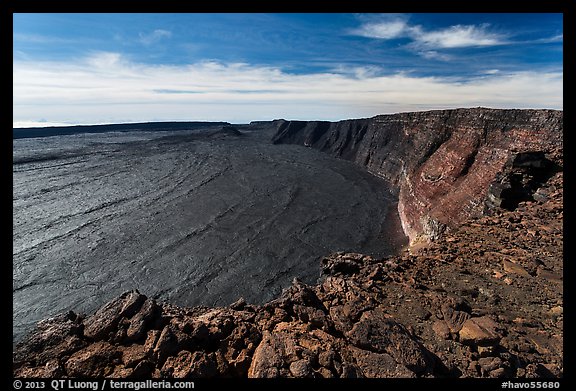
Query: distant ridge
(130,127)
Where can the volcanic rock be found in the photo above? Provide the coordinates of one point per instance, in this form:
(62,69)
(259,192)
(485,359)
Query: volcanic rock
(108,317)
(480,331)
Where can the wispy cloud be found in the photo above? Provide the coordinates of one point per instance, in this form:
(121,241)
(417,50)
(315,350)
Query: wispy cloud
(383,30)
(434,55)
(41,39)
(154,36)
(106,87)
(103,60)
(427,42)
(553,39)
(458,36)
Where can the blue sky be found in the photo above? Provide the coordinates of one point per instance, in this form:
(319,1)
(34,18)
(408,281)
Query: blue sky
(105,68)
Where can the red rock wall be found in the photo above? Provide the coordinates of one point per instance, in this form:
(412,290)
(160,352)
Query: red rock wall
(443,161)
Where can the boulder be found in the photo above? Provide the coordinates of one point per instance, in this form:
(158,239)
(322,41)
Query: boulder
(480,331)
(379,365)
(105,320)
(140,321)
(95,360)
(380,334)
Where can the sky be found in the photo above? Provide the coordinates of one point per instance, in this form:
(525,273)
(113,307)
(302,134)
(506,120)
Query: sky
(71,69)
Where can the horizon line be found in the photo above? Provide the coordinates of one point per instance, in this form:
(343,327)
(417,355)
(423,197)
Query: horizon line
(53,125)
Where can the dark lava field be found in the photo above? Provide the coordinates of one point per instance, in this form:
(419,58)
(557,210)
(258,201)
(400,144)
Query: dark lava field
(198,217)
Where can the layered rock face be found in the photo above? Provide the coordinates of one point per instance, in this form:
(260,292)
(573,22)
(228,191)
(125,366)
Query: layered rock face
(444,162)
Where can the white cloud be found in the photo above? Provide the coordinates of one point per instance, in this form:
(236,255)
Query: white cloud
(458,36)
(103,60)
(434,55)
(553,39)
(382,30)
(427,42)
(154,36)
(107,88)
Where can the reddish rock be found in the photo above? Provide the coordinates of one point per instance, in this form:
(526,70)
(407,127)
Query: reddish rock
(133,354)
(324,373)
(107,318)
(268,357)
(52,369)
(454,318)
(121,372)
(511,267)
(380,334)
(166,345)
(190,365)
(301,368)
(142,370)
(96,360)
(544,343)
(550,276)
(203,365)
(57,336)
(441,329)
(379,365)
(480,331)
(151,339)
(140,321)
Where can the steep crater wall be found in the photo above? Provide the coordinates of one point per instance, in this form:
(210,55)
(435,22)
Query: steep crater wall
(448,165)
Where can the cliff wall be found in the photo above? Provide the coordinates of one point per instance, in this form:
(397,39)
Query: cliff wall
(448,165)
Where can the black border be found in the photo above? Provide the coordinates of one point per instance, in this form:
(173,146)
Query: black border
(355,6)
(374,6)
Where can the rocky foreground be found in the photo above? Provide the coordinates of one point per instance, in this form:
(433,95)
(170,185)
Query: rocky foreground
(484,300)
